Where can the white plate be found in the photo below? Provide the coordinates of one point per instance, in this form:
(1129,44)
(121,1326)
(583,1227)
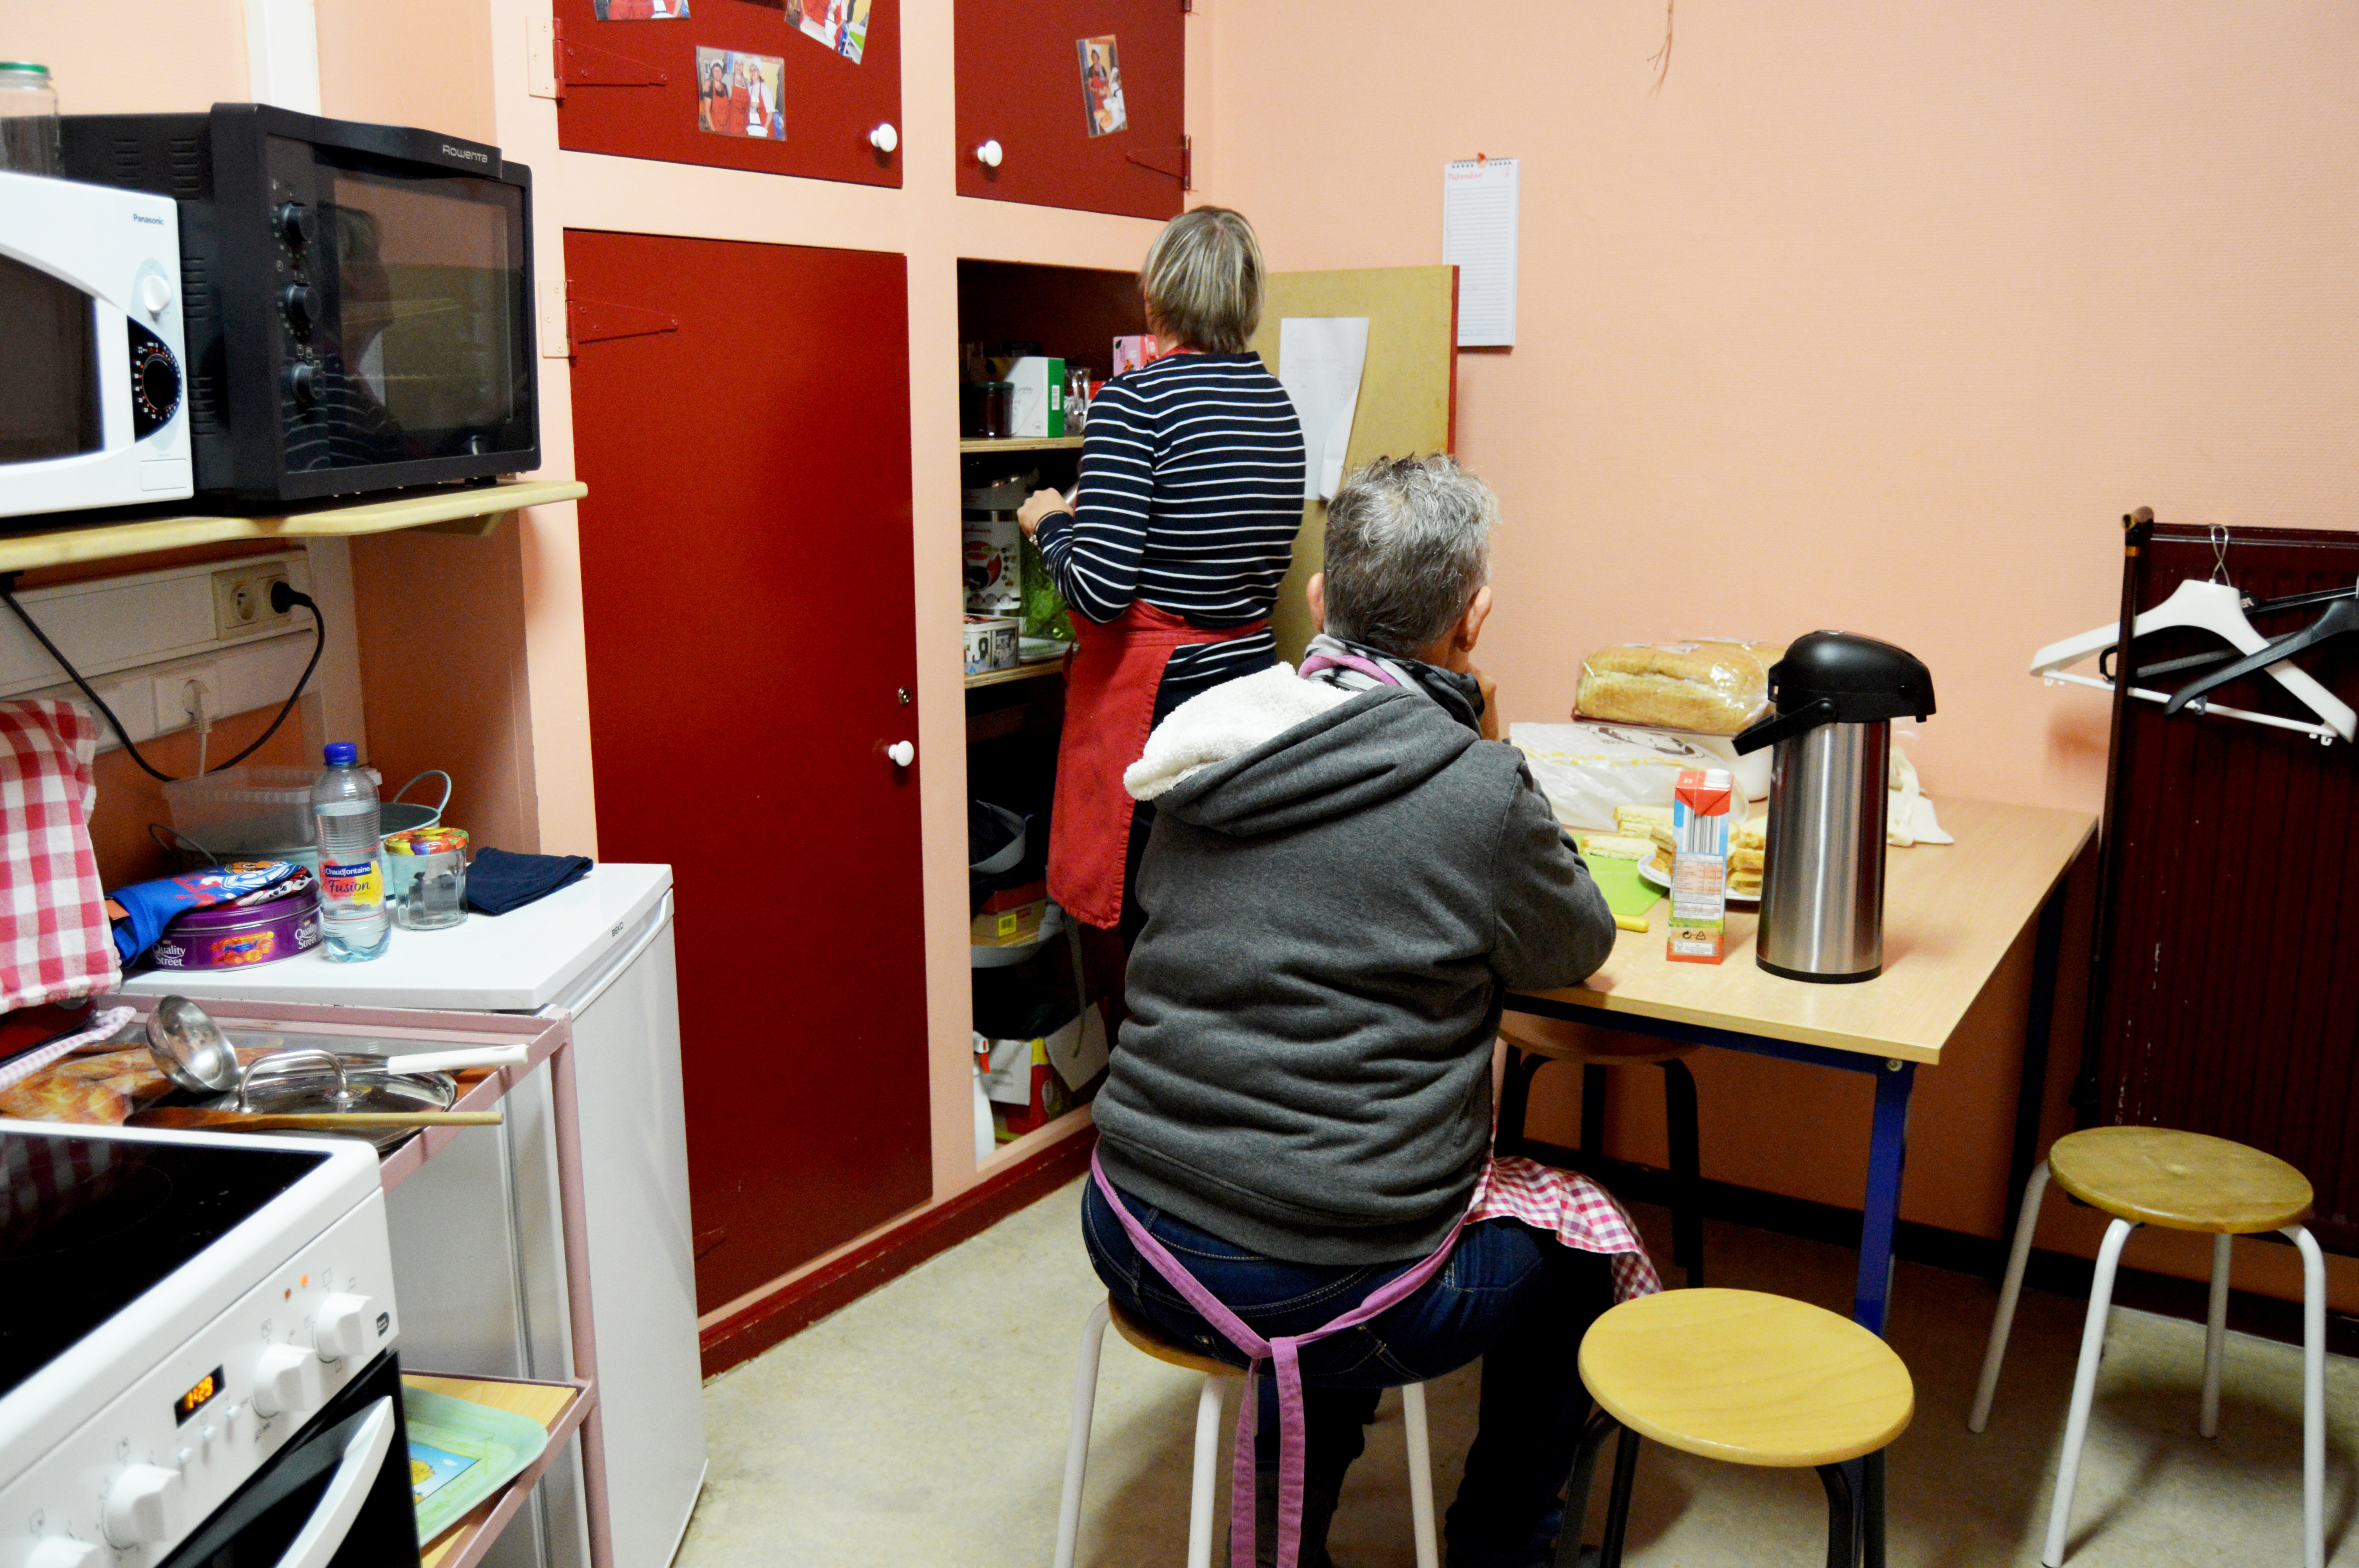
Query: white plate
(1646,875)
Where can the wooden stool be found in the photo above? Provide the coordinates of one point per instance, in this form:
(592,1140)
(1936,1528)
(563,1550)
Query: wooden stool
(1534,1042)
(2179,1180)
(1747,1379)
(1218,1377)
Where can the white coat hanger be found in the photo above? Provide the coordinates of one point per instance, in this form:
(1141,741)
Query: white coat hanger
(2215,606)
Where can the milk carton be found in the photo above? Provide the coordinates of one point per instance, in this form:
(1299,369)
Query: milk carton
(1702,806)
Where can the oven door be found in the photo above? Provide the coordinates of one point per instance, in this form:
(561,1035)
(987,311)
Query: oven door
(337,1496)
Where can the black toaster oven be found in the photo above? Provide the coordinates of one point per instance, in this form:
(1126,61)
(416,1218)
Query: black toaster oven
(358,298)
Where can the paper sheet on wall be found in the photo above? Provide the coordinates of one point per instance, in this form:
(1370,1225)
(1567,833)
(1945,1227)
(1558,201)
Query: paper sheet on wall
(1480,207)
(1320,362)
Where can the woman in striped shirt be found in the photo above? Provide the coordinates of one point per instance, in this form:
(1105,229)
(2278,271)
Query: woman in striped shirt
(1183,528)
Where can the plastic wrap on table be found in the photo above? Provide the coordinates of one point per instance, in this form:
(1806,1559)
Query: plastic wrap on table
(1709,684)
(1586,770)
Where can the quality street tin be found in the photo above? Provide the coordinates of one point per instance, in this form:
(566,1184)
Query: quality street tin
(230,937)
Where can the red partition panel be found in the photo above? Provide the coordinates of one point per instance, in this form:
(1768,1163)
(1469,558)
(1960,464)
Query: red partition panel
(633,87)
(1020,84)
(740,416)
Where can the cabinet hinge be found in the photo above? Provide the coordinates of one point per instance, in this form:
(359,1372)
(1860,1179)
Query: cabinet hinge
(602,320)
(1185,173)
(579,65)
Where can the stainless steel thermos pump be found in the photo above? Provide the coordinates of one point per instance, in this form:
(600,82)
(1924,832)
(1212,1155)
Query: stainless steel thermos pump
(1835,697)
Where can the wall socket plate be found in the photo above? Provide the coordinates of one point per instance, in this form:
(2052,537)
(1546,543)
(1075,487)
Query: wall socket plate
(242,599)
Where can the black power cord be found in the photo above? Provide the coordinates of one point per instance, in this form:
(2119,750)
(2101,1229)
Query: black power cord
(283,597)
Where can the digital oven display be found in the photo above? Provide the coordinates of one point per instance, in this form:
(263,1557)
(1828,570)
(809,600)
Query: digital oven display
(208,1388)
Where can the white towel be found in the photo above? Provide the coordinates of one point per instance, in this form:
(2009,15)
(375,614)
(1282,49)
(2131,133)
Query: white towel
(1227,721)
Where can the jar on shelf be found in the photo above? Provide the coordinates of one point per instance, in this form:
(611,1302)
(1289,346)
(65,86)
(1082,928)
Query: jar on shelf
(29,119)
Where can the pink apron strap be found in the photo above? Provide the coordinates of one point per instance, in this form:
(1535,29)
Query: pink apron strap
(1285,1357)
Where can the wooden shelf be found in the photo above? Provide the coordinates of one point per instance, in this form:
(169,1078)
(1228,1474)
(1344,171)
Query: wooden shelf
(1020,444)
(451,511)
(560,1407)
(1055,666)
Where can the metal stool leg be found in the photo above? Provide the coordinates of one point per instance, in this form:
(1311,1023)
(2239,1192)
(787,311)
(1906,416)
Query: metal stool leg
(1592,1113)
(1842,1544)
(1576,1492)
(1420,1476)
(1871,1510)
(1207,1471)
(1617,1501)
(2084,1388)
(1687,1174)
(2313,1398)
(1077,1443)
(2215,1335)
(2025,1224)
(1514,1099)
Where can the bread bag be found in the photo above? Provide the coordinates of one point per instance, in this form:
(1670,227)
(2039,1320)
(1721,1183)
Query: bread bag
(1588,770)
(1711,685)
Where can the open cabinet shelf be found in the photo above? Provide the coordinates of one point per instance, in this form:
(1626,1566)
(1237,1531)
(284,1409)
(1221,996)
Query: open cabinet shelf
(558,1407)
(476,511)
(1019,444)
(1021,671)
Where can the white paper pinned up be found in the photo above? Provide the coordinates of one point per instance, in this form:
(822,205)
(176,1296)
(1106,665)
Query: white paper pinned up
(1481,207)
(1321,360)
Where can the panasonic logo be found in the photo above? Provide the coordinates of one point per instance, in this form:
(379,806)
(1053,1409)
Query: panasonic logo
(143,218)
(467,153)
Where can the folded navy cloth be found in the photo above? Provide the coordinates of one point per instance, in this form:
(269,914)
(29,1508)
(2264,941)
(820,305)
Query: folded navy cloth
(498,881)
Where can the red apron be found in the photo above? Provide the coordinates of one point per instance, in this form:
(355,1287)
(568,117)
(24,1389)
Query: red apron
(1110,685)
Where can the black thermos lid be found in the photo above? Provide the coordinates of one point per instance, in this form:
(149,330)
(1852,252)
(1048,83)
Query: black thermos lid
(1834,678)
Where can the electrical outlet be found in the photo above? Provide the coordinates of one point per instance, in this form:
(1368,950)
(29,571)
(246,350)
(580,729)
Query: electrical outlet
(241,600)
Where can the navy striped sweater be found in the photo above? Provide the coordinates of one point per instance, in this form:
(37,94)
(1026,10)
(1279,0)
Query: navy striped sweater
(1191,496)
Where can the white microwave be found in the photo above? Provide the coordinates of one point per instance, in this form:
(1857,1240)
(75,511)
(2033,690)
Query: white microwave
(91,348)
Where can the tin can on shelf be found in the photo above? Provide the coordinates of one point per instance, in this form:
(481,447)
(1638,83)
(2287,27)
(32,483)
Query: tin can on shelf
(230,936)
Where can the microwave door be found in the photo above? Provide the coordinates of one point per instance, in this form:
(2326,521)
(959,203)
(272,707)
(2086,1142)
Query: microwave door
(50,404)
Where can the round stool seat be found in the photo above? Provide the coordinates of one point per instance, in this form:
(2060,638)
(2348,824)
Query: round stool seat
(1746,1378)
(2179,1180)
(1568,1042)
(1149,1340)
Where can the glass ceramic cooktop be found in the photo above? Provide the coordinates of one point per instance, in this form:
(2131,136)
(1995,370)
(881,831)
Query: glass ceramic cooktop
(89,1224)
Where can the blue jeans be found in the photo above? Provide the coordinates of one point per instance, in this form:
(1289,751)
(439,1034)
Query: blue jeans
(1510,1295)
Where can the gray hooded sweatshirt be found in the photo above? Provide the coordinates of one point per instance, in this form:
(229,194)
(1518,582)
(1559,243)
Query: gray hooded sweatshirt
(1336,906)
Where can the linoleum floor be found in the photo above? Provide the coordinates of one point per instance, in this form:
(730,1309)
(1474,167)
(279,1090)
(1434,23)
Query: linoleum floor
(926,1425)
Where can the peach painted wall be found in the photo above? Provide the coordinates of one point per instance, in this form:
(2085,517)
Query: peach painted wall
(1887,312)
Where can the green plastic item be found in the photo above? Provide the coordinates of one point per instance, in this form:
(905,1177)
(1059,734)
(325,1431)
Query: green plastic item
(460,1452)
(1626,891)
(1045,614)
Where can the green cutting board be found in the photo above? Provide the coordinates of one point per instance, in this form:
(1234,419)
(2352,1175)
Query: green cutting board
(1625,893)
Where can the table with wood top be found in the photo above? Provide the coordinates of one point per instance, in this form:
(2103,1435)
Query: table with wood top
(1951,914)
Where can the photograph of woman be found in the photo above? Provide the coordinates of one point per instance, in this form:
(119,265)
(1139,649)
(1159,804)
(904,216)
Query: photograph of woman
(1102,86)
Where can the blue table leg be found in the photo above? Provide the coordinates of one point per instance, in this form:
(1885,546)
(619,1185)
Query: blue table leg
(1888,1150)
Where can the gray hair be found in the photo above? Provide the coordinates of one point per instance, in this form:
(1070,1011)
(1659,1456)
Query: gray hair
(1201,281)
(1408,544)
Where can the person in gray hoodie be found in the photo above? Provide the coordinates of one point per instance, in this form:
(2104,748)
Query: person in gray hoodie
(1346,875)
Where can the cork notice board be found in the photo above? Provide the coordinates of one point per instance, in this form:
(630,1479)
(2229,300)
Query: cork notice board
(1407,394)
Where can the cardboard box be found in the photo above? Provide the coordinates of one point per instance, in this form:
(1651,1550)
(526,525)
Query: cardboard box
(991,642)
(1701,813)
(993,563)
(1038,408)
(1129,354)
(1030,1082)
(1012,926)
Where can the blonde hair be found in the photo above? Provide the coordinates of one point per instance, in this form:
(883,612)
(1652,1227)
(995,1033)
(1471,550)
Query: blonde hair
(1201,281)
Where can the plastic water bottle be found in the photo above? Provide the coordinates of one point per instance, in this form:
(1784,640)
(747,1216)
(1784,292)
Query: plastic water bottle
(354,923)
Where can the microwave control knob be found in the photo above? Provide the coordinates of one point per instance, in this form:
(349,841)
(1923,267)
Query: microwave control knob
(64,1552)
(140,1505)
(884,138)
(340,1327)
(301,303)
(989,153)
(294,222)
(155,294)
(303,384)
(279,1381)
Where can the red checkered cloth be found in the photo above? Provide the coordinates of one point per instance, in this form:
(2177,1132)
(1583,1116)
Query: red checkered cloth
(1574,1209)
(54,941)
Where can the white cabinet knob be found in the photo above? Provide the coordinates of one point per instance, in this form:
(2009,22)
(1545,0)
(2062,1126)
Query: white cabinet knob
(884,138)
(902,752)
(341,1329)
(139,1505)
(279,1381)
(988,155)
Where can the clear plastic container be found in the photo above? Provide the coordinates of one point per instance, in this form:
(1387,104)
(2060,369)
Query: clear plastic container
(252,812)
(354,923)
(29,119)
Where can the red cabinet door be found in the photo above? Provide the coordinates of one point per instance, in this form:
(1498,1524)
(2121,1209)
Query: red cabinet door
(740,416)
(1023,83)
(793,103)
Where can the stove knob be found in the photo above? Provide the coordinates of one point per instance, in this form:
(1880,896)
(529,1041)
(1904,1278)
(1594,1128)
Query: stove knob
(302,385)
(141,1504)
(281,1381)
(341,1327)
(294,222)
(64,1552)
(301,303)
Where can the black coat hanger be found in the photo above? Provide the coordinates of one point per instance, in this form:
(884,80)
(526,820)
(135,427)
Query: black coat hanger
(2342,615)
(2197,661)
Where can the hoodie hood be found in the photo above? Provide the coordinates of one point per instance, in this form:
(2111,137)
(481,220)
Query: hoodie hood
(1269,753)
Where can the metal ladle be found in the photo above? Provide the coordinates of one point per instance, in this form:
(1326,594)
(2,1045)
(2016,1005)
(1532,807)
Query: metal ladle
(189,1048)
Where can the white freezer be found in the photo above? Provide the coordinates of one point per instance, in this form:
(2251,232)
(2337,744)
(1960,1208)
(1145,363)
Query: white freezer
(481,1283)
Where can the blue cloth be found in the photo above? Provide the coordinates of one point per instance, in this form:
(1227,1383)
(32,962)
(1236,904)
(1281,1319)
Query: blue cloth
(1517,1298)
(499,879)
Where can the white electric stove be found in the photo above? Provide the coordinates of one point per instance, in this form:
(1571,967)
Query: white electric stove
(196,1353)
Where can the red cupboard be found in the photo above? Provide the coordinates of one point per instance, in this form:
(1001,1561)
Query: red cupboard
(740,416)
(1082,103)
